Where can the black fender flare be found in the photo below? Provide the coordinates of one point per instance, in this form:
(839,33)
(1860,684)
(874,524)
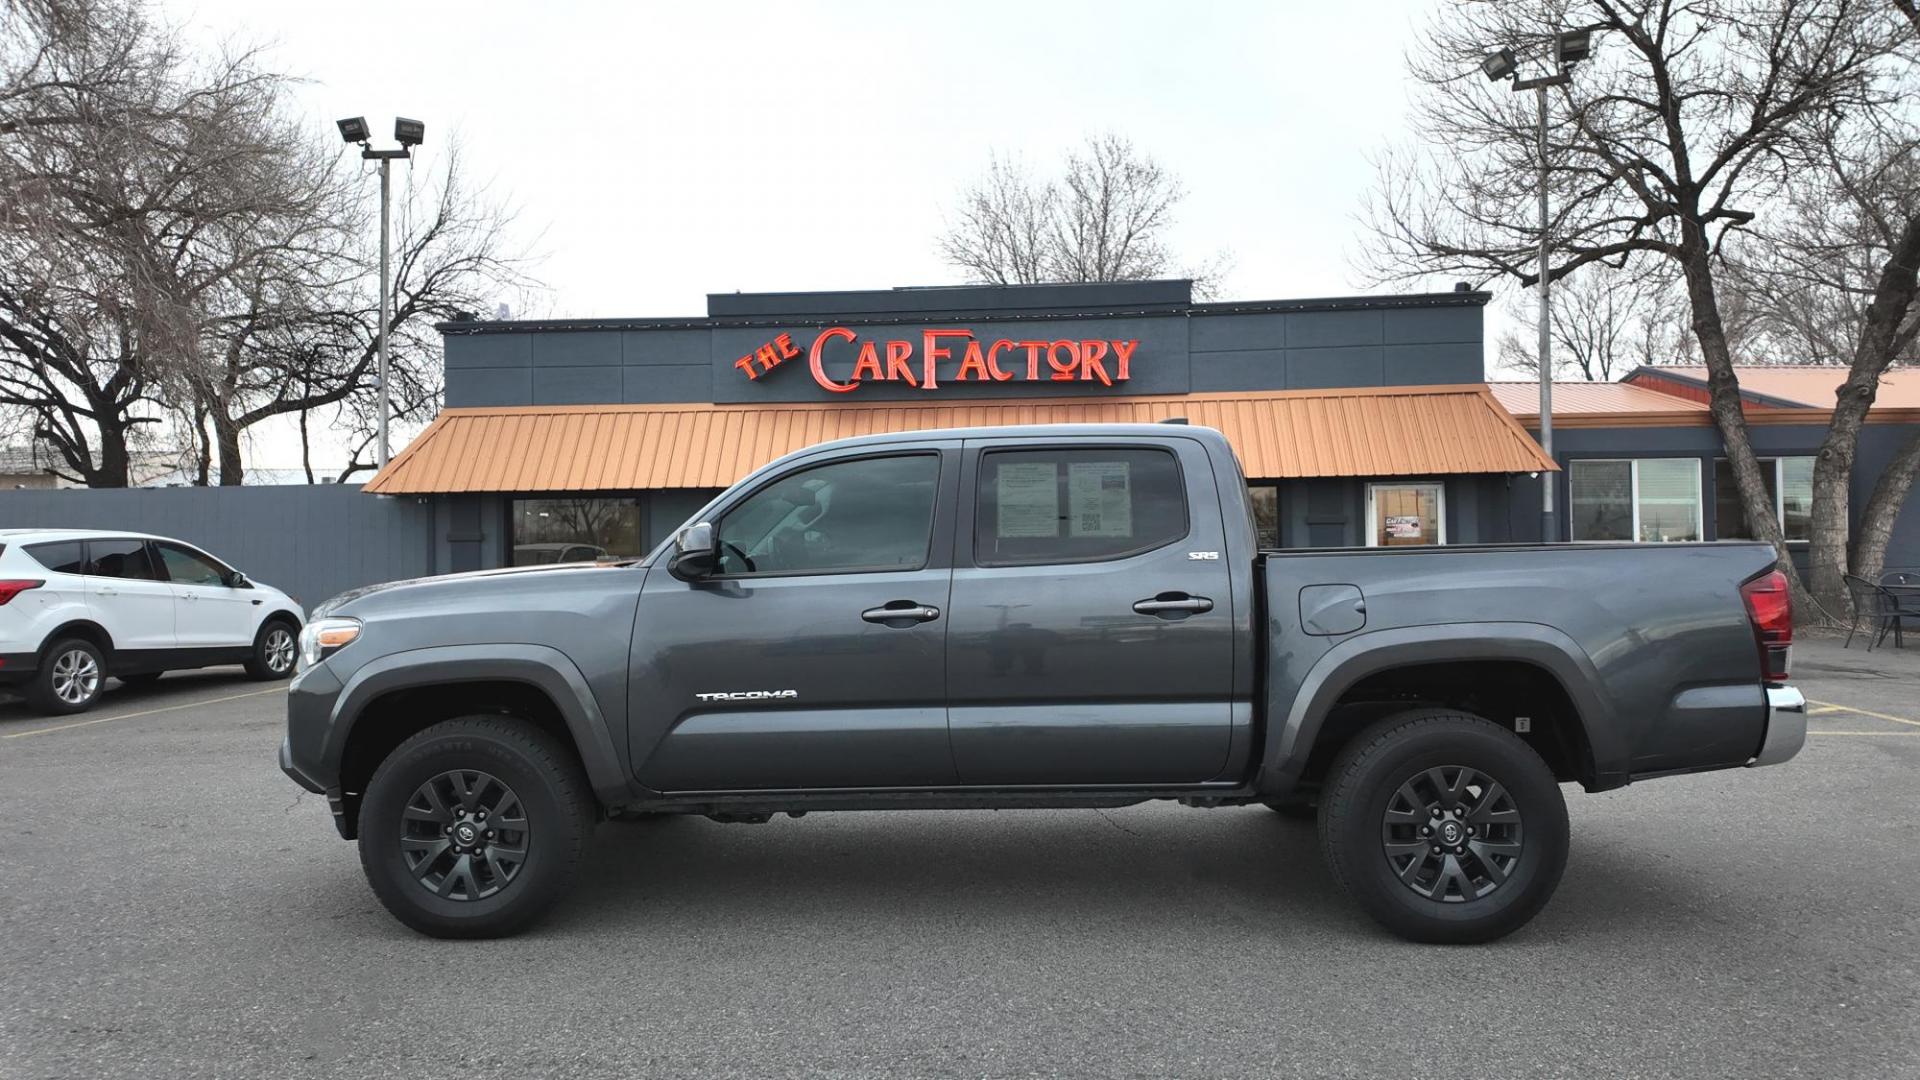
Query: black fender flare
(540,666)
(1290,737)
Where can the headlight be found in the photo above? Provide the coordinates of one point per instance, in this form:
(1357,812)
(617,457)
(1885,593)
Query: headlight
(322,638)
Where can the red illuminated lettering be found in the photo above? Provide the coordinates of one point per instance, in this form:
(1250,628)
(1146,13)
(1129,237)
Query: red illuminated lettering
(898,353)
(1090,367)
(993,362)
(867,364)
(1033,358)
(1063,372)
(1124,351)
(819,371)
(933,351)
(975,361)
(784,346)
(745,364)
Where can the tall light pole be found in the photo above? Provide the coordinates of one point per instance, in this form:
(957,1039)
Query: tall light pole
(409,134)
(1569,48)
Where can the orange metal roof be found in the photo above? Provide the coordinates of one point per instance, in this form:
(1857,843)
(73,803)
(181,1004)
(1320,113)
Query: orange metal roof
(1814,386)
(1590,399)
(1393,431)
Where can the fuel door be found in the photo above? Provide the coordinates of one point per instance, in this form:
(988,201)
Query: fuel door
(1326,610)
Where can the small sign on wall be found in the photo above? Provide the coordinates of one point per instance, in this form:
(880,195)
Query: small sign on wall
(1403,527)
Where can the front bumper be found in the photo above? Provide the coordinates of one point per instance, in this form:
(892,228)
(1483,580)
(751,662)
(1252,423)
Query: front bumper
(1786,726)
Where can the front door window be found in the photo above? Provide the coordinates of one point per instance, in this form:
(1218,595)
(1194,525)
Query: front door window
(1405,515)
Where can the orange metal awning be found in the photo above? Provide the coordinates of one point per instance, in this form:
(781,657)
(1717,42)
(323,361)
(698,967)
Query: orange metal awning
(1391,431)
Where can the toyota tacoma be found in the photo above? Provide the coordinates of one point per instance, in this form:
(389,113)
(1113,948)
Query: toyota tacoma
(1033,617)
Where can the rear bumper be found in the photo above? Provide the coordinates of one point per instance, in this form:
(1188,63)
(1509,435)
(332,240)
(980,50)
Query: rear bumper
(17,667)
(1786,726)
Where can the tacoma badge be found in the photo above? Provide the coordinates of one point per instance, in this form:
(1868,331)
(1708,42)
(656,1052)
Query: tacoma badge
(747,695)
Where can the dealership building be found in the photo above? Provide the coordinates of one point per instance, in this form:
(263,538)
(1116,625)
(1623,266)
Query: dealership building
(1358,420)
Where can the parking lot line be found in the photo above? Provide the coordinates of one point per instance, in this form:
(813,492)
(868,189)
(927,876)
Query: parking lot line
(1888,734)
(144,712)
(1866,712)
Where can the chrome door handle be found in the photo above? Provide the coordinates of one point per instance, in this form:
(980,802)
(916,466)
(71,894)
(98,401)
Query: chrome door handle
(1174,604)
(901,611)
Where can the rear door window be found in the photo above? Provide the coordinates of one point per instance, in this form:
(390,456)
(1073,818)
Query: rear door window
(127,559)
(60,556)
(1071,505)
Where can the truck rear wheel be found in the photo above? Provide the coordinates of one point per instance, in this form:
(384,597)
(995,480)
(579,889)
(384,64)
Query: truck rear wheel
(1444,827)
(474,827)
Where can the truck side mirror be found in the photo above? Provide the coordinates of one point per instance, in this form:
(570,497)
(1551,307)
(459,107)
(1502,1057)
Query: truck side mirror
(696,552)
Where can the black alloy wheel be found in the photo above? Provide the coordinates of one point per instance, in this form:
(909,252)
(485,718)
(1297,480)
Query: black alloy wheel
(1451,833)
(1443,826)
(475,826)
(465,835)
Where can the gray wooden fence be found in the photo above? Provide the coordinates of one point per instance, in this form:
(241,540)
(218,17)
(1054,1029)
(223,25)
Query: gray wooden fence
(310,541)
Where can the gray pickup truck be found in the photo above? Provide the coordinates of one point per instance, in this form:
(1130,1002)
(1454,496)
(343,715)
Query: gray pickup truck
(1061,617)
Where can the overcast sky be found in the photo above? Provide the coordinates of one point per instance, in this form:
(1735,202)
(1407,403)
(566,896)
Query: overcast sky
(658,152)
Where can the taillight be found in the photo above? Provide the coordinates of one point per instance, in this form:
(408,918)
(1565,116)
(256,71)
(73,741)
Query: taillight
(1770,608)
(11,589)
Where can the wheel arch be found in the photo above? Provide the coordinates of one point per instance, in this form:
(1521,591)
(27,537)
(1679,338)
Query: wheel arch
(389,699)
(1323,709)
(88,629)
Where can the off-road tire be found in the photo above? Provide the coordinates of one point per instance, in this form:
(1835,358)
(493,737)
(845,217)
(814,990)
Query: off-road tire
(1366,779)
(272,658)
(60,664)
(547,780)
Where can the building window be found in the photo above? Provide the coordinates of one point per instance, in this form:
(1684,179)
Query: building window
(1790,486)
(575,530)
(1406,515)
(1652,500)
(1266,514)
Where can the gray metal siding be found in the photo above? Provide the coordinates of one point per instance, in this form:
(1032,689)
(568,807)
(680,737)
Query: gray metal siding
(1180,351)
(311,542)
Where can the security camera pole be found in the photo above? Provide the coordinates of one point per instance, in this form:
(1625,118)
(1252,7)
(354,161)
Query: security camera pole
(409,134)
(1569,48)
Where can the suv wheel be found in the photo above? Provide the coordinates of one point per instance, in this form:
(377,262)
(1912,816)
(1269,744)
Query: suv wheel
(70,676)
(474,827)
(1444,827)
(273,650)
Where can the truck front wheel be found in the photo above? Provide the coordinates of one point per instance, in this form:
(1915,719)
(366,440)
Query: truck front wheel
(474,827)
(1444,827)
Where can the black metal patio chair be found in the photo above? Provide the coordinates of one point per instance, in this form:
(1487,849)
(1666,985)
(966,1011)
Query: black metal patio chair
(1875,607)
(1904,586)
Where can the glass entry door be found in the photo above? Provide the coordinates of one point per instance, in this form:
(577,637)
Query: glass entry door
(1405,515)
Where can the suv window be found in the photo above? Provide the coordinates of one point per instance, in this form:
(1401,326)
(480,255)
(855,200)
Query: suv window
(120,559)
(189,567)
(866,515)
(1063,506)
(59,556)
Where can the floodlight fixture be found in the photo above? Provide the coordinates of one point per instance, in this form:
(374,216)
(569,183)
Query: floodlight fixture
(1500,65)
(409,132)
(354,129)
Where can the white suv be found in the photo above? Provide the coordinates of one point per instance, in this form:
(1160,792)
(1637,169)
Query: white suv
(79,605)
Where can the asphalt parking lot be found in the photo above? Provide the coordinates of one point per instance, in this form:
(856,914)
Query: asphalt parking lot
(170,905)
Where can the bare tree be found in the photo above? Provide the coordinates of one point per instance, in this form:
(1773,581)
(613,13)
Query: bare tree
(120,153)
(297,330)
(1105,218)
(1681,132)
(1606,322)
